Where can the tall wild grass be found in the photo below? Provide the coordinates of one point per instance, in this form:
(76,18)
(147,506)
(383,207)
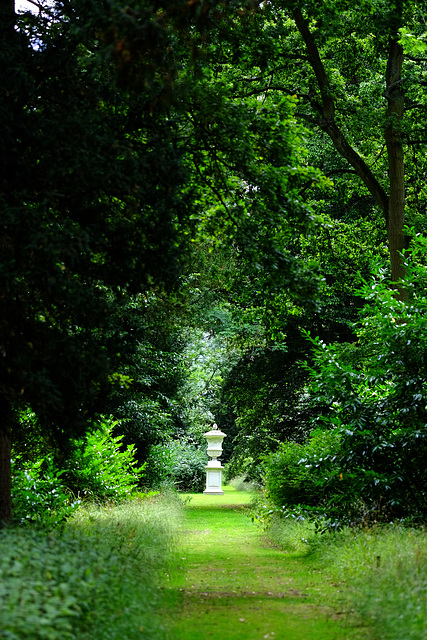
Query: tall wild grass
(382,571)
(99,578)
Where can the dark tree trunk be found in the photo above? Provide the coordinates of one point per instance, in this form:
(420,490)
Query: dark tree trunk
(392,204)
(396,165)
(6,419)
(7,33)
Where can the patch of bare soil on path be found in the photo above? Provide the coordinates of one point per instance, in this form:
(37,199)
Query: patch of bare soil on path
(292,593)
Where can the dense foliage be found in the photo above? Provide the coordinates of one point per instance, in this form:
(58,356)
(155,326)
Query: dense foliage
(90,216)
(202,218)
(120,146)
(188,191)
(97,469)
(178,465)
(370,467)
(97,578)
(304,474)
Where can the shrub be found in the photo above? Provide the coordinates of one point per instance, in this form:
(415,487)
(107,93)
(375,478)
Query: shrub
(245,467)
(304,473)
(375,392)
(96,579)
(39,496)
(101,468)
(98,468)
(178,464)
(240,483)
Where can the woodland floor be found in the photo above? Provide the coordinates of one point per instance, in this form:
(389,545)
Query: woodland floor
(230,583)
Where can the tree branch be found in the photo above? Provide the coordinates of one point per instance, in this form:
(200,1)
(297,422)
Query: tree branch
(396,165)
(327,123)
(36,4)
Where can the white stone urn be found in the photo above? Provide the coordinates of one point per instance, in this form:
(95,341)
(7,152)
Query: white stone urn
(214,468)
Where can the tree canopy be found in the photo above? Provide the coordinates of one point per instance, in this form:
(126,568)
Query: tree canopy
(357,70)
(116,151)
(176,173)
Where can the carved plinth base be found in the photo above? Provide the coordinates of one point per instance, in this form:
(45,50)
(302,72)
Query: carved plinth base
(214,478)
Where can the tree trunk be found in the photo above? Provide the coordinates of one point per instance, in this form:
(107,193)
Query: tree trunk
(7,33)
(6,418)
(393,204)
(396,165)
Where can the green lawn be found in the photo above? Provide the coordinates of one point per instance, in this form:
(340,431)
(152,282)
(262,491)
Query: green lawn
(230,583)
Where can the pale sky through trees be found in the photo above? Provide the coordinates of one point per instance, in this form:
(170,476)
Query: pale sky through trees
(24,5)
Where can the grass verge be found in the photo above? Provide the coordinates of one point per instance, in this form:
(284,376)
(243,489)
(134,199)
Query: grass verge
(99,578)
(382,572)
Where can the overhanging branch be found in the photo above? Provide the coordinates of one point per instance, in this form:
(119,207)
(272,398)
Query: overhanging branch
(327,122)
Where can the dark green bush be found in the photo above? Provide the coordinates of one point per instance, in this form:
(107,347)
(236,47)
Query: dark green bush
(178,464)
(304,473)
(39,494)
(375,396)
(245,467)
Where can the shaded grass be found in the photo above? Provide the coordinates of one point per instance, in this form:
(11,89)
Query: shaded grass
(232,583)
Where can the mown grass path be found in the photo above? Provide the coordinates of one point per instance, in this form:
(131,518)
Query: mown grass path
(230,584)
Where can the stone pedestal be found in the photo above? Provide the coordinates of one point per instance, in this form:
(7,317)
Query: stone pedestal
(214,468)
(214,478)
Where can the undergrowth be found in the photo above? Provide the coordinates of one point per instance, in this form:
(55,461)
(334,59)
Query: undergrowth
(240,483)
(386,570)
(98,578)
(382,571)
